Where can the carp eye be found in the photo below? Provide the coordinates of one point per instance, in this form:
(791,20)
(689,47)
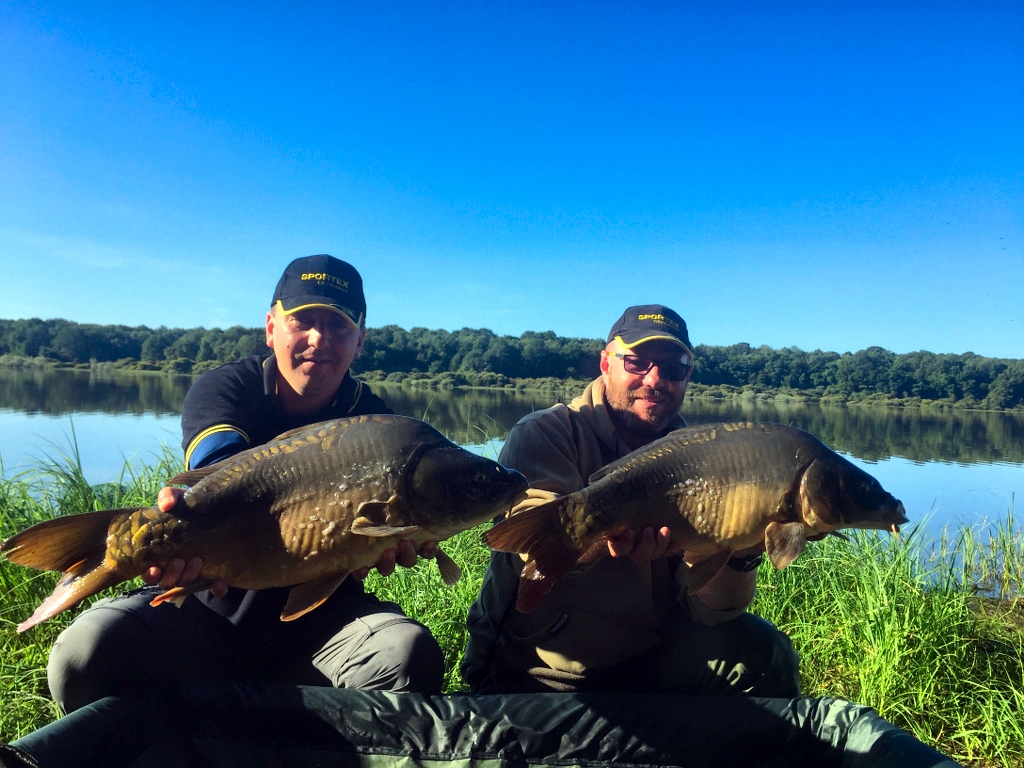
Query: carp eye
(479,477)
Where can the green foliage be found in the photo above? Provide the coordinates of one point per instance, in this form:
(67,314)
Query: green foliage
(424,597)
(57,487)
(480,358)
(901,626)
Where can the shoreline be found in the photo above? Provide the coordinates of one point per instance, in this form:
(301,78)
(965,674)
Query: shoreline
(562,388)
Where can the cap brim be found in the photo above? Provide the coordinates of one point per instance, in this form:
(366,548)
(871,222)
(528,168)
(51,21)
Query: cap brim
(318,303)
(654,337)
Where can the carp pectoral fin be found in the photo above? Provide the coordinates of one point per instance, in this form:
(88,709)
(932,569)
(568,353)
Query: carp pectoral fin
(450,571)
(177,595)
(784,542)
(305,597)
(701,572)
(195,475)
(366,527)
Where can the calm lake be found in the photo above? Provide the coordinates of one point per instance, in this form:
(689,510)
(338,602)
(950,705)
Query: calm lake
(946,467)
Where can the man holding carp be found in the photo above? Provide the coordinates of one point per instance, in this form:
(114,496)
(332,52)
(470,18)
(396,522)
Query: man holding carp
(625,622)
(315,327)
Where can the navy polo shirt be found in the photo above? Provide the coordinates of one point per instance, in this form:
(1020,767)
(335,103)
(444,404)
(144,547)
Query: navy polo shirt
(236,406)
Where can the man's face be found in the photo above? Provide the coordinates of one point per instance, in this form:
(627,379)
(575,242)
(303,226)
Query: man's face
(314,348)
(642,403)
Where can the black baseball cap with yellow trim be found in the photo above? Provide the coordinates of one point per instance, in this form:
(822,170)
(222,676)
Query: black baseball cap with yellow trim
(649,322)
(321,281)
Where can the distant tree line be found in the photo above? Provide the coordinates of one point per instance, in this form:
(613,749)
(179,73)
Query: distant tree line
(480,357)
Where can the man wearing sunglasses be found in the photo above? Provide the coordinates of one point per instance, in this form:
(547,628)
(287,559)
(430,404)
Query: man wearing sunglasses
(622,624)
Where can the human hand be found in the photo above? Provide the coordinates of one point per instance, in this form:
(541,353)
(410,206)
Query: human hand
(178,572)
(649,545)
(406,556)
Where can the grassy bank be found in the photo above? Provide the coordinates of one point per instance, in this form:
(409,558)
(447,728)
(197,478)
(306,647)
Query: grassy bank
(931,634)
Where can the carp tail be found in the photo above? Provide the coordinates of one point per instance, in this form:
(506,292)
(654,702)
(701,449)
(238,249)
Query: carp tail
(61,542)
(538,533)
(82,580)
(75,545)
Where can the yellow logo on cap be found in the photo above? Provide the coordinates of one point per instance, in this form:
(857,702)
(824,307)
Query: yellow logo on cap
(660,319)
(323,277)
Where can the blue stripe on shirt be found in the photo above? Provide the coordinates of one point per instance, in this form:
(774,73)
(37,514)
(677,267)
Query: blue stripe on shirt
(216,447)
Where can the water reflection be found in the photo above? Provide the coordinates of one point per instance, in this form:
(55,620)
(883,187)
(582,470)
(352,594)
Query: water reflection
(881,433)
(476,416)
(59,392)
(872,434)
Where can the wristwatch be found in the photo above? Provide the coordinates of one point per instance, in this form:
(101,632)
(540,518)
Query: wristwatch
(745,564)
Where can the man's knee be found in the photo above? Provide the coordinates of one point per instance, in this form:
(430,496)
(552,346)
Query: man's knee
(384,651)
(746,655)
(92,658)
(781,675)
(772,666)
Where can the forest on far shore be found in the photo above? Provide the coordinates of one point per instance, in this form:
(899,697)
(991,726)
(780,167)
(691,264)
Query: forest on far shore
(478,357)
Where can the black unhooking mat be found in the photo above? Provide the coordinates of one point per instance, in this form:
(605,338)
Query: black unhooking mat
(229,726)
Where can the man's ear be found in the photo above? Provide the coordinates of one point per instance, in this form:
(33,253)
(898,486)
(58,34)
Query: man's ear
(270,329)
(604,361)
(359,344)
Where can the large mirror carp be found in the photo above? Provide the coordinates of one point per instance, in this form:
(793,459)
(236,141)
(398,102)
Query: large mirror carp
(306,509)
(719,488)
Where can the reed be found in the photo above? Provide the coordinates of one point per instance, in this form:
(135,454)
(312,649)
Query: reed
(930,633)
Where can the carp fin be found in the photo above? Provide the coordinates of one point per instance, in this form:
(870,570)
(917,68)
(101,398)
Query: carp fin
(62,542)
(604,471)
(81,580)
(537,532)
(305,597)
(595,554)
(366,527)
(701,572)
(533,586)
(177,595)
(784,542)
(526,531)
(450,571)
(193,476)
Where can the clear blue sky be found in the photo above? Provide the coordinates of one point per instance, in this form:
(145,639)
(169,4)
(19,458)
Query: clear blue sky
(824,175)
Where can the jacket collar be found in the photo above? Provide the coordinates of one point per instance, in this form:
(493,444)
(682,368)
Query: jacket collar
(591,406)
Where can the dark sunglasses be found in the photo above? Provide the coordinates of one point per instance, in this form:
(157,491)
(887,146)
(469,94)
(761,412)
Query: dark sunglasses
(641,366)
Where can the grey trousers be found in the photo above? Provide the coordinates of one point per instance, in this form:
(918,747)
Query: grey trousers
(123,644)
(747,655)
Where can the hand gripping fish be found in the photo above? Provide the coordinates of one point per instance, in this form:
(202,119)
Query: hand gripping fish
(718,488)
(306,509)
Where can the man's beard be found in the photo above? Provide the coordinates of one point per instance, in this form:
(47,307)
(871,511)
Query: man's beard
(625,418)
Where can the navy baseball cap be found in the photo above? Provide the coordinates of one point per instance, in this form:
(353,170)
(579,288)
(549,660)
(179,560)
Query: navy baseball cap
(321,281)
(649,322)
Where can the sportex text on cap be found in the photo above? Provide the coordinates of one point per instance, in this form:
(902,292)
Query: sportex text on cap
(321,281)
(649,322)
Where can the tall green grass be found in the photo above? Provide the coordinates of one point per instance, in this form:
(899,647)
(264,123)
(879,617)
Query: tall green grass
(56,487)
(930,633)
